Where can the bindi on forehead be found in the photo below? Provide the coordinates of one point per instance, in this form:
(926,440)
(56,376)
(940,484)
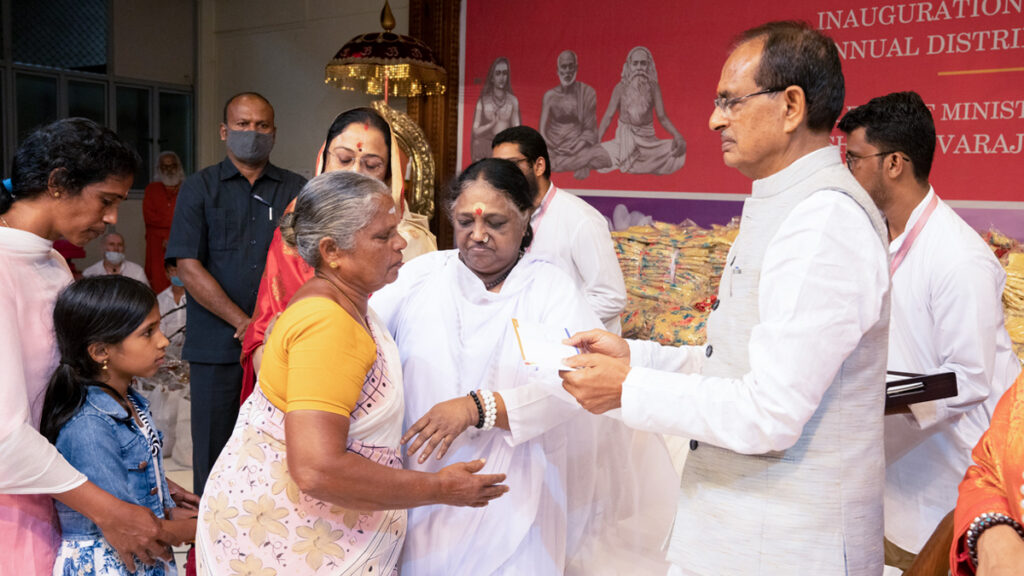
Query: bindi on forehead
(479,208)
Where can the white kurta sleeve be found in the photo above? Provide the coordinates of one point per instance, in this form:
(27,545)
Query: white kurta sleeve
(967,309)
(535,408)
(29,464)
(593,254)
(685,359)
(823,282)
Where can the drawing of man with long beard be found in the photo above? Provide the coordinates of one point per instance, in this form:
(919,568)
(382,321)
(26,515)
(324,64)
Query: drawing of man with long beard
(637,99)
(568,120)
(496,110)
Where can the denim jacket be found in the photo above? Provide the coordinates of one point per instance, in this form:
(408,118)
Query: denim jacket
(106,445)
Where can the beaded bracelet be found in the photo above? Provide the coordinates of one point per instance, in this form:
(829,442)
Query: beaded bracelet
(479,408)
(984,522)
(490,409)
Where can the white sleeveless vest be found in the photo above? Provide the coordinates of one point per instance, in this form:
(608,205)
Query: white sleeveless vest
(815,508)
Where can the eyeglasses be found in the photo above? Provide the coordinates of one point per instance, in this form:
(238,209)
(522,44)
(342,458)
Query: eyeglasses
(519,160)
(852,158)
(725,104)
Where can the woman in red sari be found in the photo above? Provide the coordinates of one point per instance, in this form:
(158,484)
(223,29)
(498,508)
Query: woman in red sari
(359,140)
(988,539)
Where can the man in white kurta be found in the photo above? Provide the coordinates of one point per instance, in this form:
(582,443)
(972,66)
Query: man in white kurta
(947,316)
(784,404)
(566,230)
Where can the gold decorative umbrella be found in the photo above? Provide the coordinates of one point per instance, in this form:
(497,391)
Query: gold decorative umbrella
(386,63)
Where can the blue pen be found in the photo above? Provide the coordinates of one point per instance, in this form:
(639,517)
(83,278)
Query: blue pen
(567,335)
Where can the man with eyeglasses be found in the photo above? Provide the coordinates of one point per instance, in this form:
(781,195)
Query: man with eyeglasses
(224,220)
(947,316)
(567,230)
(784,404)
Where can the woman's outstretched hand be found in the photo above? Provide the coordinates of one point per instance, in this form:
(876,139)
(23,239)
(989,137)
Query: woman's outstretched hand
(462,486)
(440,426)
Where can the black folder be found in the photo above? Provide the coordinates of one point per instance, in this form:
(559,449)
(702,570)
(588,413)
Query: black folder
(912,388)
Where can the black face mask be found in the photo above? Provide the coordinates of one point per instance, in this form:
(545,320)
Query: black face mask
(250,146)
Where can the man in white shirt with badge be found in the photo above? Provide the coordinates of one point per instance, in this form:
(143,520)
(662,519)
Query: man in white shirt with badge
(569,232)
(785,403)
(947,316)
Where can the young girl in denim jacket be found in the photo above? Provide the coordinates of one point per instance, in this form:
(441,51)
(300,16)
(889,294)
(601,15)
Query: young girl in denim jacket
(108,332)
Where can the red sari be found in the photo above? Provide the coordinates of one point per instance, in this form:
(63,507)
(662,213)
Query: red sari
(993,482)
(283,275)
(286,271)
(158,212)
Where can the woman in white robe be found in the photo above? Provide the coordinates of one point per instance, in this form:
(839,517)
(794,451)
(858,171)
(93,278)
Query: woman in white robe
(584,490)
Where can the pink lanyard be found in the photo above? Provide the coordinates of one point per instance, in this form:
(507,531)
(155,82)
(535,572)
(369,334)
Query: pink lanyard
(897,259)
(542,211)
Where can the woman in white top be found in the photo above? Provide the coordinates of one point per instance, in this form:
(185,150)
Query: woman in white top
(580,485)
(68,179)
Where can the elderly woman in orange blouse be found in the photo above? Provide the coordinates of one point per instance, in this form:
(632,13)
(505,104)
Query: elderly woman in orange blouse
(359,140)
(988,539)
(311,481)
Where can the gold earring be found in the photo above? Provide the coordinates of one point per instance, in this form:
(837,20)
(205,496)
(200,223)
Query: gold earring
(333,264)
(104,365)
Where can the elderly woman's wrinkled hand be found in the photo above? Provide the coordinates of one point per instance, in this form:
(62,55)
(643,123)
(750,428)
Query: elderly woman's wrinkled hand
(462,486)
(439,427)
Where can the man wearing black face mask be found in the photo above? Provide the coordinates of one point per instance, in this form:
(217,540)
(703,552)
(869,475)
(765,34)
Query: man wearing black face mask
(223,223)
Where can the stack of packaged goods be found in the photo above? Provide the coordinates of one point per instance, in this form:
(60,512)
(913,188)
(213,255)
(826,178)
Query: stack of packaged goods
(1011,254)
(671,275)
(1013,301)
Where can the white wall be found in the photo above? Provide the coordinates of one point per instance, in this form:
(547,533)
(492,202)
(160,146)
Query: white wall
(154,40)
(279,49)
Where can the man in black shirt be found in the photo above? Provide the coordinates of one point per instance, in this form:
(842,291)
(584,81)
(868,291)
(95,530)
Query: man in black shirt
(223,223)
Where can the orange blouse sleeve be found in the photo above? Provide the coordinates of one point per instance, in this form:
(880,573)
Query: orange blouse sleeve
(992,483)
(317,358)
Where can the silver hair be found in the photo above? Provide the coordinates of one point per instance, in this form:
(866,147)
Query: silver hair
(333,205)
(167,153)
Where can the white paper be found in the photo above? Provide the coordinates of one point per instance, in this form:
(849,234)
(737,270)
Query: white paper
(541,344)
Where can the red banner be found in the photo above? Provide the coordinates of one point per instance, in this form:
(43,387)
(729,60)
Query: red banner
(965,58)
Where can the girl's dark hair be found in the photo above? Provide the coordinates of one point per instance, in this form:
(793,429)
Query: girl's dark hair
(104,309)
(505,177)
(76,151)
(361,115)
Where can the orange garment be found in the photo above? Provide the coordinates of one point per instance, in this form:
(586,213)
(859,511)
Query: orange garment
(993,482)
(317,358)
(158,212)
